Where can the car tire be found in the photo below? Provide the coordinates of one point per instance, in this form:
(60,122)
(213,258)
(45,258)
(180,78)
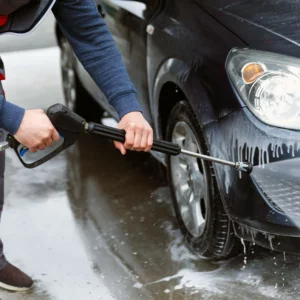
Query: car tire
(196,198)
(77,98)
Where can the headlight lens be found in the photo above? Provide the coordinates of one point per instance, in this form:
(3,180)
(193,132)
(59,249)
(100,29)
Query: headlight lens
(269,84)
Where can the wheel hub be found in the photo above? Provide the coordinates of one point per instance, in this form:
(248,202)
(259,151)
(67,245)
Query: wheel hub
(189,180)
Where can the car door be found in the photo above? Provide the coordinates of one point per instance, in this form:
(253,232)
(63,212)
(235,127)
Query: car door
(128,21)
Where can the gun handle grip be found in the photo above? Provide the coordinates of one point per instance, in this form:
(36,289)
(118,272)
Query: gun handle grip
(119,136)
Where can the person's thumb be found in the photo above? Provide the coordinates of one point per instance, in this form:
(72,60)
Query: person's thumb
(121,147)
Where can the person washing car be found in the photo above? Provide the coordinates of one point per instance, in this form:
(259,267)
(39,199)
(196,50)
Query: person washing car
(93,44)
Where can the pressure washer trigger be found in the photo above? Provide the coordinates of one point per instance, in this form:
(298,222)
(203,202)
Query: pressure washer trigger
(24,149)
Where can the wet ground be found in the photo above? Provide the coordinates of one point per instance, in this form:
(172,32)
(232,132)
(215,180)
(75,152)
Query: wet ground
(95,225)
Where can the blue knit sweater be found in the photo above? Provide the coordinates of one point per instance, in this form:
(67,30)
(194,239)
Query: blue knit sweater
(94,46)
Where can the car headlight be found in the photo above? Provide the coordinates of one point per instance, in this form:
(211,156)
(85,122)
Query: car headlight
(269,84)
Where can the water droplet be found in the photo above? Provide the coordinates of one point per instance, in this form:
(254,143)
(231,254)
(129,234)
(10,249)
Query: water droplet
(138,285)
(243,243)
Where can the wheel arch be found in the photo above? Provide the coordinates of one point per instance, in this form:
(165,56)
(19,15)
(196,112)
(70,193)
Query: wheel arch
(176,81)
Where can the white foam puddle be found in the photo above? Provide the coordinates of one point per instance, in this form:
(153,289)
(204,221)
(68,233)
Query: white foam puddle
(195,280)
(177,248)
(216,282)
(256,278)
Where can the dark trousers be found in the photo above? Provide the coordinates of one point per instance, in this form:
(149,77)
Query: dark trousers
(2,168)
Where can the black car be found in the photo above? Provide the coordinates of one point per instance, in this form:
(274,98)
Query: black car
(221,78)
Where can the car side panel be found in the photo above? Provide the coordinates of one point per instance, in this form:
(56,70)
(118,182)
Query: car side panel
(185,33)
(127,21)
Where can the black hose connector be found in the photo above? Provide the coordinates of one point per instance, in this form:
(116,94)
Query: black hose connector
(119,136)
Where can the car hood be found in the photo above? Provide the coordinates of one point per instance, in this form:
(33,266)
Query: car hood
(267,25)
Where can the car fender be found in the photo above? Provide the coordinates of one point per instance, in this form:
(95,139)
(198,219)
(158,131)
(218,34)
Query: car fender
(188,80)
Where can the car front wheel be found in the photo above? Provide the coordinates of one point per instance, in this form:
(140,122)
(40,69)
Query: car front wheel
(198,206)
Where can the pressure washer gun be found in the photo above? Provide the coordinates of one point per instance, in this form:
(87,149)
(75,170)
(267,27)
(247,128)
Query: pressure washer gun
(70,126)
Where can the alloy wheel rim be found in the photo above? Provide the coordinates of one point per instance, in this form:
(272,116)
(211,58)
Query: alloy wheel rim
(68,75)
(190,181)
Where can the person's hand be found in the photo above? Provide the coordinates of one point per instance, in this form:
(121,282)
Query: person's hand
(139,134)
(36,131)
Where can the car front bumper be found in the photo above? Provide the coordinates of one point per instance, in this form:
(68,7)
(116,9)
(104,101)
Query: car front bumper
(266,203)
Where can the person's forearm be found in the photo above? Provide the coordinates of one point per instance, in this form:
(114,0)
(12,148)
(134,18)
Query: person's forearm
(10,116)
(93,44)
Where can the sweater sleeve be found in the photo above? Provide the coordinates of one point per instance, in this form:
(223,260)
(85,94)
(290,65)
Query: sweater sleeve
(10,116)
(94,46)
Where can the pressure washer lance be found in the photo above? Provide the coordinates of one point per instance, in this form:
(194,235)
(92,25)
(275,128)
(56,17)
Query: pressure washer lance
(164,147)
(70,125)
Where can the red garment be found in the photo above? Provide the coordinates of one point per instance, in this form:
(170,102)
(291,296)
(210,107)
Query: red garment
(3,20)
